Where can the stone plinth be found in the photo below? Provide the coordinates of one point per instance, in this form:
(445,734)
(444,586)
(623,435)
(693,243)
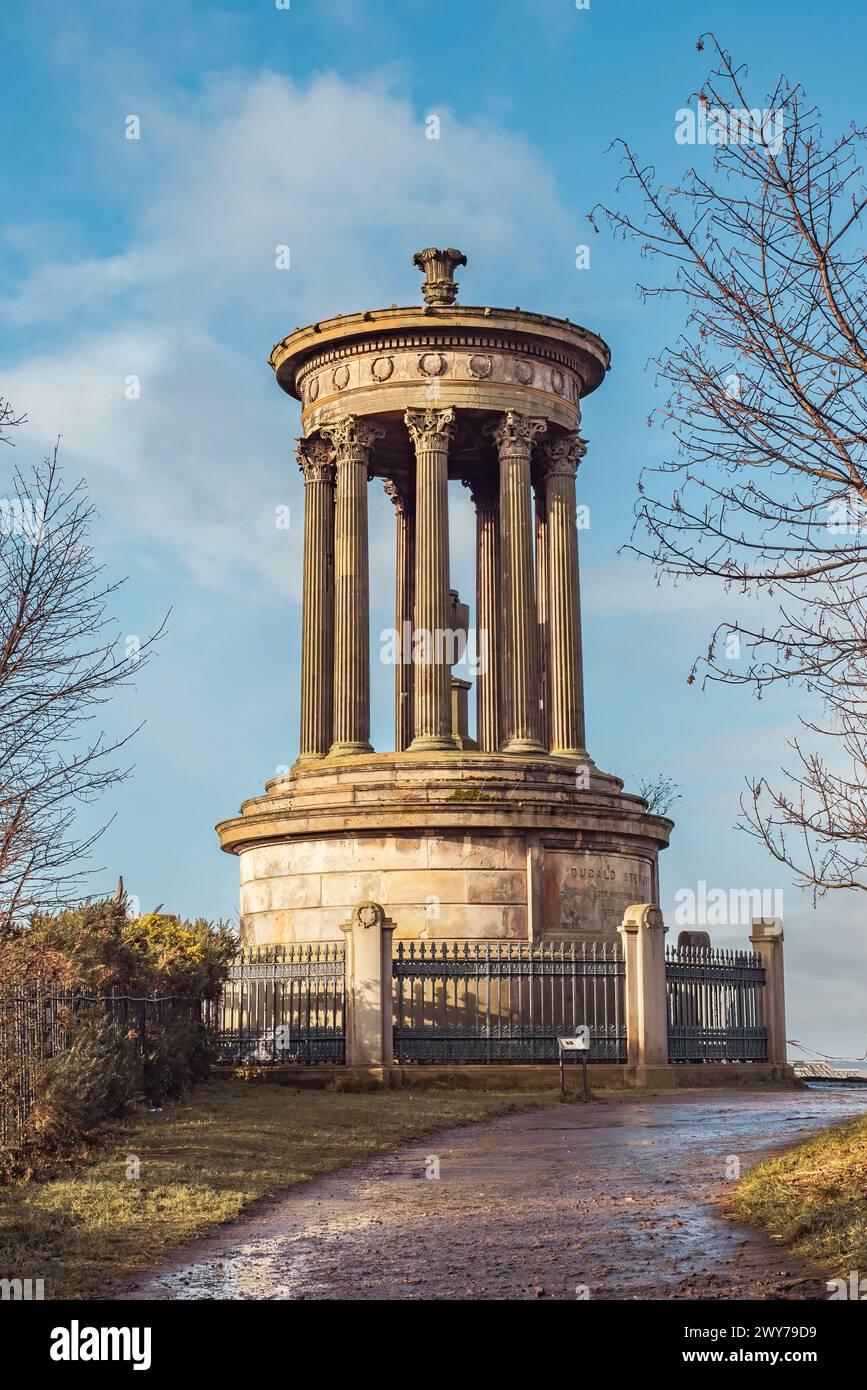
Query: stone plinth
(455,846)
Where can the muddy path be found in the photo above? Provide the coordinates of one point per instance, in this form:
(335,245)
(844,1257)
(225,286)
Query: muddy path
(621,1198)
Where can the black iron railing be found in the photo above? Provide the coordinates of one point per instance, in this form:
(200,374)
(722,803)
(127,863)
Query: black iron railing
(474,1002)
(282,1004)
(38,1022)
(715,1005)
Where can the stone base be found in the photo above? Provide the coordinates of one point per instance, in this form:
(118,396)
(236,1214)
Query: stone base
(454,845)
(540,1077)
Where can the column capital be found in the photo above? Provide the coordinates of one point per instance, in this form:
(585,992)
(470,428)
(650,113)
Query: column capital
(402,494)
(316,460)
(424,425)
(515,432)
(484,488)
(352,438)
(563,454)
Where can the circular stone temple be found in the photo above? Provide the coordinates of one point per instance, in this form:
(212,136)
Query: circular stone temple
(516,834)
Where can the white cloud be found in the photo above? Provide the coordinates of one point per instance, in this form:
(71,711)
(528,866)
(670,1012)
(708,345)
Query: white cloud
(180,468)
(193,303)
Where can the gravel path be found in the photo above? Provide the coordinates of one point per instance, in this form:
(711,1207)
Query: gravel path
(618,1198)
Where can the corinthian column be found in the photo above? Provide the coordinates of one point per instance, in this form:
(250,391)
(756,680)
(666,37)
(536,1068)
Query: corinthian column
(352,440)
(484,491)
(542,617)
(522,728)
(431,431)
(564,617)
(404,505)
(315,460)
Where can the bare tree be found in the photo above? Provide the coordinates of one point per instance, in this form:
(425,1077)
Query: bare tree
(767,403)
(660,793)
(61,659)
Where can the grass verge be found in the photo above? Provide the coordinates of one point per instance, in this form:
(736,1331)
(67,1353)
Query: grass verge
(201,1163)
(815,1198)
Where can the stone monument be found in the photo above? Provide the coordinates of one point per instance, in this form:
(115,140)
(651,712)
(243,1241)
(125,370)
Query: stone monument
(513,834)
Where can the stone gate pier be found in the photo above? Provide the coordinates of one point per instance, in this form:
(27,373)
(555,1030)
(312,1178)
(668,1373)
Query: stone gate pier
(510,834)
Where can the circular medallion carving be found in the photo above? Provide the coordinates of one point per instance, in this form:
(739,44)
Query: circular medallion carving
(480,365)
(340,378)
(524,372)
(313,388)
(558,381)
(369,914)
(382,368)
(432,364)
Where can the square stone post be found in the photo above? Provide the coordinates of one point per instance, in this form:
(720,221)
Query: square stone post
(369,991)
(766,940)
(642,933)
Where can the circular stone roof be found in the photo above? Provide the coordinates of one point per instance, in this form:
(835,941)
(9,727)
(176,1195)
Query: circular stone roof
(592,354)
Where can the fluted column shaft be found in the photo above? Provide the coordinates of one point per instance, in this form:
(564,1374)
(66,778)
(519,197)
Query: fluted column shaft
(567,734)
(485,495)
(542,604)
(522,728)
(431,432)
(352,440)
(403,612)
(315,459)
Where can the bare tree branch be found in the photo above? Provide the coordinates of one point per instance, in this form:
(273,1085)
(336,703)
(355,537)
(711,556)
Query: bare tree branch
(767,404)
(61,660)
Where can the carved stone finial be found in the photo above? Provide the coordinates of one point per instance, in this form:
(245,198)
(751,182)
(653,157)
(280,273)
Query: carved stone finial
(439,273)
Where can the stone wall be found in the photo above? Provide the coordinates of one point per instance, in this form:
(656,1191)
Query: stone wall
(435,887)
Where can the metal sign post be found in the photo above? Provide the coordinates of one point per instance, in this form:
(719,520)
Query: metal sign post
(579,1043)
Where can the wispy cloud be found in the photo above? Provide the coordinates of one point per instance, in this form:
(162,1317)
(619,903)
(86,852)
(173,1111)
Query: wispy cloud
(198,463)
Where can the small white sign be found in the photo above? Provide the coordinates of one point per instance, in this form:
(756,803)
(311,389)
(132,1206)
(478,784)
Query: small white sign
(581,1043)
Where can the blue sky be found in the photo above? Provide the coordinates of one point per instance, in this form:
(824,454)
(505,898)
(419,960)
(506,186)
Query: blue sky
(154,258)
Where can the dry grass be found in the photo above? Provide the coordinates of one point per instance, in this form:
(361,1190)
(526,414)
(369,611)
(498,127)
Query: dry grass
(815,1198)
(202,1162)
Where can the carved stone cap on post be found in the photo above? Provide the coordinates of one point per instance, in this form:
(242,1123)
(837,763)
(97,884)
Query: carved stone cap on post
(766,928)
(439,271)
(367,915)
(646,915)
